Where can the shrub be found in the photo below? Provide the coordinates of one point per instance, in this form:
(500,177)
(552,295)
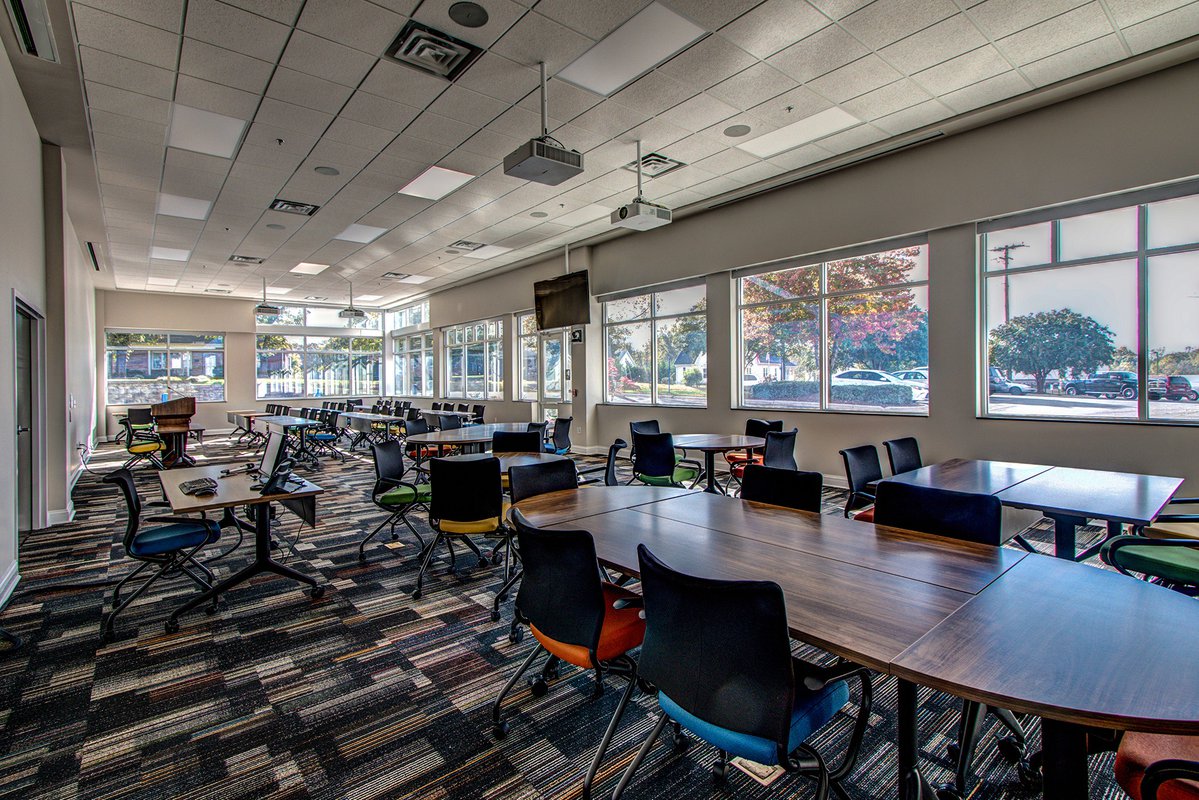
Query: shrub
(808,391)
(693,377)
(887,394)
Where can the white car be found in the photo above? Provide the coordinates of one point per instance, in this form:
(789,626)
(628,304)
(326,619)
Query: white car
(873,377)
(919,377)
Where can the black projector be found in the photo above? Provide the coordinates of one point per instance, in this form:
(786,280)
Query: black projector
(541,162)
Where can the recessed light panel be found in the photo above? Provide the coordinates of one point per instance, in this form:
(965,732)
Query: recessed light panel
(363,234)
(490,251)
(435,183)
(154,280)
(276,290)
(305,268)
(799,133)
(204,131)
(368,298)
(173,205)
(652,36)
(169,254)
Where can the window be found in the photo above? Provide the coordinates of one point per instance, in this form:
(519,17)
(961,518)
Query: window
(318,317)
(475,360)
(317,366)
(544,362)
(1069,334)
(414,364)
(408,316)
(655,347)
(144,366)
(849,334)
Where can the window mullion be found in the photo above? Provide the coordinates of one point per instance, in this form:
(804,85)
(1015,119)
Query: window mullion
(1142,312)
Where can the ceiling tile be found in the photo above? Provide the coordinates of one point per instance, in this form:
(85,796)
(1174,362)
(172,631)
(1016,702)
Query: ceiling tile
(345,157)
(284,11)
(753,86)
(695,147)
(202,162)
(421,151)
(308,91)
(565,100)
(359,134)
(293,118)
(403,84)
(381,113)
(934,44)
(215,97)
(657,134)
(274,139)
(915,117)
(1164,29)
(499,77)
(851,139)
(1130,12)
(985,92)
(125,37)
(191,183)
(112,70)
(129,104)
(707,62)
(443,130)
(726,161)
(128,127)
(216,64)
(491,143)
(653,93)
(594,20)
(313,55)
(132,166)
(609,119)
(699,112)
(1057,34)
(774,25)
(500,16)
(395,210)
(132,181)
(999,18)
(536,38)
(886,21)
(354,23)
(863,75)
(165,14)
(822,52)
(837,9)
(964,70)
(790,106)
(712,14)
(234,29)
(467,106)
(886,100)
(1075,61)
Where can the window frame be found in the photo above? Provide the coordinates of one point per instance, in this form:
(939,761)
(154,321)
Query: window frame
(401,351)
(538,340)
(462,337)
(653,318)
(350,334)
(166,349)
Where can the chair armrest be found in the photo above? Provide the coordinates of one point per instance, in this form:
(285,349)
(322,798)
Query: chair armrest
(691,463)
(171,520)
(628,602)
(1175,518)
(1170,769)
(1110,554)
(816,677)
(1183,501)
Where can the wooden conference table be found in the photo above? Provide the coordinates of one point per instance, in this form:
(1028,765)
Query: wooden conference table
(288,424)
(468,435)
(1066,495)
(510,460)
(712,443)
(1073,644)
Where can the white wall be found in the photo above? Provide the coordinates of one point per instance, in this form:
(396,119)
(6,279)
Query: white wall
(21,272)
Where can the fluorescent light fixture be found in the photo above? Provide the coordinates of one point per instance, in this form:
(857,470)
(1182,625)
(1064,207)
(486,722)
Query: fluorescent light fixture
(173,205)
(154,280)
(276,290)
(169,254)
(436,182)
(305,268)
(204,131)
(369,298)
(363,234)
(652,36)
(490,251)
(582,216)
(799,133)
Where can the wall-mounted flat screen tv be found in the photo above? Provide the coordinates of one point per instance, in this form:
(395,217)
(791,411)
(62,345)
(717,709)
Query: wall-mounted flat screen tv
(562,302)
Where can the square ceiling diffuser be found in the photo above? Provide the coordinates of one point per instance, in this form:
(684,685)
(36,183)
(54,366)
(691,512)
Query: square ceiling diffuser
(432,51)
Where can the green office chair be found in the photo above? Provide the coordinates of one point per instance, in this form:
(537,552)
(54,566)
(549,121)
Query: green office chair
(142,448)
(654,462)
(395,495)
(1173,563)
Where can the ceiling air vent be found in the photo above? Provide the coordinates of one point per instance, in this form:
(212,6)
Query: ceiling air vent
(218,291)
(91,252)
(290,207)
(31,21)
(315,297)
(432,51)
(462,244)
(655,164)
(236,259)
(396,276)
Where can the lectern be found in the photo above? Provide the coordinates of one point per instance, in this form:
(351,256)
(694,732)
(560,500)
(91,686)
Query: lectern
(173,421)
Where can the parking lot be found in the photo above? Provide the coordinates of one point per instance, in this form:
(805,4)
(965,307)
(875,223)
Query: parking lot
(1088,407)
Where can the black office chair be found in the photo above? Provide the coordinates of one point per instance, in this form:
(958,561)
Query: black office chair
(412,414)
(862,468)
(467,500)
(642,426)
(779,453)
(539,428)
(782,487)
(719,655)
(141,421)
(576,617)
(395,495)
(171,547)
(477,414)
(971,518)
(450,422)
(560,443)
(516,442)
(463,408)
(903,454)
(655,462)
(435,406)
(608,468)
(144,446)
(758,428)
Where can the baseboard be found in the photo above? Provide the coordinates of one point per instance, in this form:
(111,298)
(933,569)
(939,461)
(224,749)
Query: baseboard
(589,449)
(9,582)
(60,516)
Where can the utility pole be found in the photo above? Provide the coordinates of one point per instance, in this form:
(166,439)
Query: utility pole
(1004,252)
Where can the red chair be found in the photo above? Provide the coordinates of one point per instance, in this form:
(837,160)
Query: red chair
(753,427)
(1154,766)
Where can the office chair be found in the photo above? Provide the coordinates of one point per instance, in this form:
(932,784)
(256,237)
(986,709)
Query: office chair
(862,468)
(413,413)
(753,427)
(142,448)
(779,453)
(477,412)
(516,442)
(608,468)
(450,422)
(782,487)
(393,494)
(1173,563)
(467,500)
(642,426)
(970,518)
(141,421)
(655,464)
(324,438)
(718,653)
(463,408)
(903,454)
(1155,766)
(540,429)
(575,617)
(171,547)
(560,442)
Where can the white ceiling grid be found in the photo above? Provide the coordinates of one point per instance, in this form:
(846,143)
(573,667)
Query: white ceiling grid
(310,81)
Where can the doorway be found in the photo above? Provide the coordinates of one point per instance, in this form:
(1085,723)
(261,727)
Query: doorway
(26,340)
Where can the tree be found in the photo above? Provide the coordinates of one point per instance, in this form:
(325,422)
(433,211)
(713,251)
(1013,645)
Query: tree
(1038,344)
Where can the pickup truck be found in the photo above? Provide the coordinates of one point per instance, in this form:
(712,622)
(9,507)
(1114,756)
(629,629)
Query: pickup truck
(1105,384)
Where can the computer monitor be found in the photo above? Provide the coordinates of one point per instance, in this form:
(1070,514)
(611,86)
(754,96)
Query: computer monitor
(272,454)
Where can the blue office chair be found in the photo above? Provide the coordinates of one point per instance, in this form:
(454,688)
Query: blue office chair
(560,442)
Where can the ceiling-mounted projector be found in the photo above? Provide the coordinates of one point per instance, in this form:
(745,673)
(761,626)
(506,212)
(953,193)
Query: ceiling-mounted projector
(349,312)
(543,159)
(641,216)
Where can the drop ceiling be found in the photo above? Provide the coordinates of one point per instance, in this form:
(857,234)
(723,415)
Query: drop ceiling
(307,85)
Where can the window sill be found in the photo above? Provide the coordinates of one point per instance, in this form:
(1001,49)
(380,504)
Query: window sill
(851,411)
(1152,423)
(652,405)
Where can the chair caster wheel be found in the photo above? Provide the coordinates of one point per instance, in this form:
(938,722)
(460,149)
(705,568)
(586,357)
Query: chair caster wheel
(500,730)
(484,563)
(105,638)
(318,592)
(210,610)
(539,687)
(953,751)
(517,636)
(416,594)
(395,537)
(1029,774)
(948,792)
(495,616)
(1011,748)
(503,598)
(680,742)
(172,626)
(720,771)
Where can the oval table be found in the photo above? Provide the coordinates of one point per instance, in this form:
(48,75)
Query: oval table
(471,434)
(711,444)
(509,460)
(1076,645)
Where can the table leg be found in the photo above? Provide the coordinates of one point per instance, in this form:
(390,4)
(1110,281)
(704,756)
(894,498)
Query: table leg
(912,785)
(1064,749)
(1114,529)
(710,468)
(1063,534)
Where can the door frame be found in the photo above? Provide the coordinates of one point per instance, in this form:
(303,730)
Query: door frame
(37,428)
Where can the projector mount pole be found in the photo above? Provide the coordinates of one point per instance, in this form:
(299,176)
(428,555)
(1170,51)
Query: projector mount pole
(566,257)
(640,197)
(545,107)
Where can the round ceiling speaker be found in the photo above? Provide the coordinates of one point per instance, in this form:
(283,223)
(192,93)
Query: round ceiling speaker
(469,15)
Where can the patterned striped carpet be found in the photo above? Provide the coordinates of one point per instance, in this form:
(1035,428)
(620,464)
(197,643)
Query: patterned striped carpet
(361,694)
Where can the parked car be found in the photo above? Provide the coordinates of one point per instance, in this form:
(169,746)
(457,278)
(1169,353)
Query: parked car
(749,380)
(916,376)
(998,384)
(873,377)
(1105,384)
(1171,387)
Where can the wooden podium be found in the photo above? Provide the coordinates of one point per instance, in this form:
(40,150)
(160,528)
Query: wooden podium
(173,419)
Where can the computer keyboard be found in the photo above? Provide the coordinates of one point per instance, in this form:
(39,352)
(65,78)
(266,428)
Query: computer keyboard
(198,486)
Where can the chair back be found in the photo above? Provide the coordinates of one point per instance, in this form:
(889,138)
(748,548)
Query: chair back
(653,454)
(515,442)
(462,407)
(610,468)
(123,479)
(435,406)
(139,416)
(904,454)
(415,425)
(719,649)
(861,466)
(539,428)
(560,592)
(955,515)
(129,440)
(477,412)
(466,489)
(450,422)
(780,449)
(562,433)
(389,465)
(760,427)
(413,415)
(782,487)
(535,479)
